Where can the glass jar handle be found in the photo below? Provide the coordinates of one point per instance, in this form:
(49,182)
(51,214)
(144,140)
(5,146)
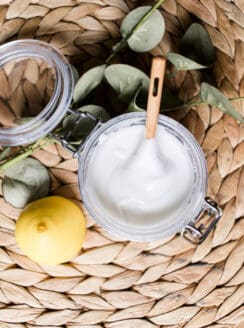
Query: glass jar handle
(197,235)
(63,136)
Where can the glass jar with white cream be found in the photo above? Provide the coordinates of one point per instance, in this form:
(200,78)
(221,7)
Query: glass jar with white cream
(145,190)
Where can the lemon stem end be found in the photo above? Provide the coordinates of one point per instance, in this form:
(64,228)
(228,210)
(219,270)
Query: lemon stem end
(41,227)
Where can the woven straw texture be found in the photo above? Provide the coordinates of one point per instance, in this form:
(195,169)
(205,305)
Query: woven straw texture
(118,284)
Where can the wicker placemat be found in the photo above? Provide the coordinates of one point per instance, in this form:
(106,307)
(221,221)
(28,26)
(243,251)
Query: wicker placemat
(117,284)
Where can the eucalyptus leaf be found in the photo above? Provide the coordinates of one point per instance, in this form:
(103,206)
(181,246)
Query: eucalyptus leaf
(214,97)
(148,35)
(88,82)
(134,106)
(125,80)
(197,45)
(81,128)
(15,192)
(5,153)
(24,182)
(182,63)
(97,111)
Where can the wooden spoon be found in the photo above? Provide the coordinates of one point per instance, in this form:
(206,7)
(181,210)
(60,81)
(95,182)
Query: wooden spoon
(154,96)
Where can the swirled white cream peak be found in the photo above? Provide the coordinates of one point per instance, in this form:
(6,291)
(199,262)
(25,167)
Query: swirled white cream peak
(140,181)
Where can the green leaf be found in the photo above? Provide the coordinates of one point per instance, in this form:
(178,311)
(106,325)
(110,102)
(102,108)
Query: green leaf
(183,63)
(88,82)
(214,97)
(24,182)
(197,45)
(82,128)
(148,34)
(5,153)
(125,80)
(79,130)
(97,111)
(134,106)
(15,192)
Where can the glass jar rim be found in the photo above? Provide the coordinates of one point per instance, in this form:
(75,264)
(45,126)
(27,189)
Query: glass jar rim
(159,230)
(44,122)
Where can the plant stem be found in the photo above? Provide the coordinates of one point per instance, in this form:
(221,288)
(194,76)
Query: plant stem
(23,153)
(237,98)
(203,102)
(123,42)
(120,45)
(195,103)
(182,106)
(144,18)
(191,104)
(15,160)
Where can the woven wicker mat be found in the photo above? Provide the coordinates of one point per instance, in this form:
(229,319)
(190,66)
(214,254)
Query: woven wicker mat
(117,284)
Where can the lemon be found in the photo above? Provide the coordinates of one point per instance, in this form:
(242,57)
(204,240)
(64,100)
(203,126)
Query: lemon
(50,230)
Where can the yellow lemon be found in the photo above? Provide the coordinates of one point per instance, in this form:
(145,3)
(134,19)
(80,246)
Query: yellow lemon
(50,230)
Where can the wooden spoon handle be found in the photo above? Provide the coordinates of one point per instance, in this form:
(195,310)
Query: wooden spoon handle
(154,96)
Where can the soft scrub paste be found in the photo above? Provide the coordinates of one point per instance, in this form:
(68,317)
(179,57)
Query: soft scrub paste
(140,181)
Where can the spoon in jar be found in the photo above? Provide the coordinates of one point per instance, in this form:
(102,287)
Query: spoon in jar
(154,95)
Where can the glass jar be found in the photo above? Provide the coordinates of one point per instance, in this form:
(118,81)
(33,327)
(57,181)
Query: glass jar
(194,208)
(36,90)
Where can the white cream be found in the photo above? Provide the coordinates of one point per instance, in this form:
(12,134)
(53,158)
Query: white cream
(138,181)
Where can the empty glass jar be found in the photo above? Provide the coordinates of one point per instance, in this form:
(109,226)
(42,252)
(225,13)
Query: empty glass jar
(36,89)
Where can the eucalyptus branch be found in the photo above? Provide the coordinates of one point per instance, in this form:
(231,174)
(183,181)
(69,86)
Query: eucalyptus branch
(182,106)
(120,45)
(195,103)
(192,104)
(237,98)
(23,153)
